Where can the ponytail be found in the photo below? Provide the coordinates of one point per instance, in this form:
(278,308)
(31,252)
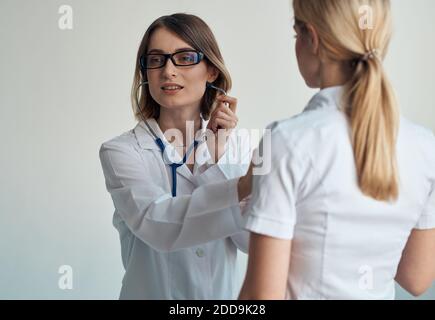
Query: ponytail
(369,101)
(373,118)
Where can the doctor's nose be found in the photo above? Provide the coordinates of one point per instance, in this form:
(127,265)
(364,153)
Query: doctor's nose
(169,70)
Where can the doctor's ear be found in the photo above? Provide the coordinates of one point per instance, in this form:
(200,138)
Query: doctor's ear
(312,38)
(213,74)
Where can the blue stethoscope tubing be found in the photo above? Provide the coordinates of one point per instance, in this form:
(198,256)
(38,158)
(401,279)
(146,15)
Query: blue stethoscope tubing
(174,166)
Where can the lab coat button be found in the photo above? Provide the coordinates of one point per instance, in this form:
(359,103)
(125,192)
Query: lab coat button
(200,252)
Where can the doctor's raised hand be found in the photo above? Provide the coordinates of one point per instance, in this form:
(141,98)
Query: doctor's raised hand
(176,201)
(222,121)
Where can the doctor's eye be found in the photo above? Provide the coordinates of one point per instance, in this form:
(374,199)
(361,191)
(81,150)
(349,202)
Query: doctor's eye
(186,58)
(153,60)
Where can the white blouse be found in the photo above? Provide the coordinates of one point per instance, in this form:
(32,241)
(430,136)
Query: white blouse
(345,245)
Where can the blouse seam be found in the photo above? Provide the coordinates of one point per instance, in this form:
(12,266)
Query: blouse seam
(320,183)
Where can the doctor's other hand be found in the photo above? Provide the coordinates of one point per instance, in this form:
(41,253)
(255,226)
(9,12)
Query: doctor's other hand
(222,120)
(244,187)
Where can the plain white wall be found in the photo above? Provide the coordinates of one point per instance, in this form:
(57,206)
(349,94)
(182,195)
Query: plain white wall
(64,92)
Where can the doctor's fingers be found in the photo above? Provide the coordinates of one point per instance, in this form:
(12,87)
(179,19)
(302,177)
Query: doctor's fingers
(226,116)
(224,113)
(225,124)
(222,108)
(232,102)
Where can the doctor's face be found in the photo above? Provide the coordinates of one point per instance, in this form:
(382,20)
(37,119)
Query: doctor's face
(176,87)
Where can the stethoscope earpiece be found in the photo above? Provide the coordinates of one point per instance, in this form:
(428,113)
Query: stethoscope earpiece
(208,85)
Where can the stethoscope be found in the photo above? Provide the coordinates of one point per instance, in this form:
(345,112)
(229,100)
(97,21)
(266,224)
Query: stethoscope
(173,165)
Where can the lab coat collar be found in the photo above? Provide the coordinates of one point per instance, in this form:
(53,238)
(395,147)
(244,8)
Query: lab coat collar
(144,138)
(147,141)
(326,98)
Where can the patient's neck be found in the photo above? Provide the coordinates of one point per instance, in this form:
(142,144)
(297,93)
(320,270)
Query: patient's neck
(334,74)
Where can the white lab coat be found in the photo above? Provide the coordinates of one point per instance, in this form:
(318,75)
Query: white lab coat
(182,247)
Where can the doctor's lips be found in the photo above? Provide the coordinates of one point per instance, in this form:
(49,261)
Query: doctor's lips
(171,87)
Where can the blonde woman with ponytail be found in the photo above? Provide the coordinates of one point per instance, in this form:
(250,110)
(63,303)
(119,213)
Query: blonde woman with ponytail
(349,205)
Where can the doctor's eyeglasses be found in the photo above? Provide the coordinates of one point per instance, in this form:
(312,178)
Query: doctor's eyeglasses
(180,58)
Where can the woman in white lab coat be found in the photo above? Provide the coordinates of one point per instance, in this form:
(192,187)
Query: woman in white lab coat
(349,204)
(179,225)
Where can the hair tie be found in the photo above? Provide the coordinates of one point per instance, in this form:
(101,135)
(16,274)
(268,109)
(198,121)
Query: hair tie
(371,54)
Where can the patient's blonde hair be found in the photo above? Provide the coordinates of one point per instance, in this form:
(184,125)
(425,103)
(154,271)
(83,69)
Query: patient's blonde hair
(369,100)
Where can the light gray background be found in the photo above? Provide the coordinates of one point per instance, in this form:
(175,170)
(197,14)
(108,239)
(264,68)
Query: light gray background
(62,93)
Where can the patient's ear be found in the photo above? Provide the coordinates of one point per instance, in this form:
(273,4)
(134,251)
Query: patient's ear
(313,38)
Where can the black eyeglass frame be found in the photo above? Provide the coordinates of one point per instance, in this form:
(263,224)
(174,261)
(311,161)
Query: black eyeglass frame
(143,64)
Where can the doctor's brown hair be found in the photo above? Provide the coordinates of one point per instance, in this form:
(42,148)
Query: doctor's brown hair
(368,101)
(197,34)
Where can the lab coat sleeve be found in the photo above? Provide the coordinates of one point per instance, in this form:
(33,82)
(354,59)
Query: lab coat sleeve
(241,239)
(164,222)
(234,163)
